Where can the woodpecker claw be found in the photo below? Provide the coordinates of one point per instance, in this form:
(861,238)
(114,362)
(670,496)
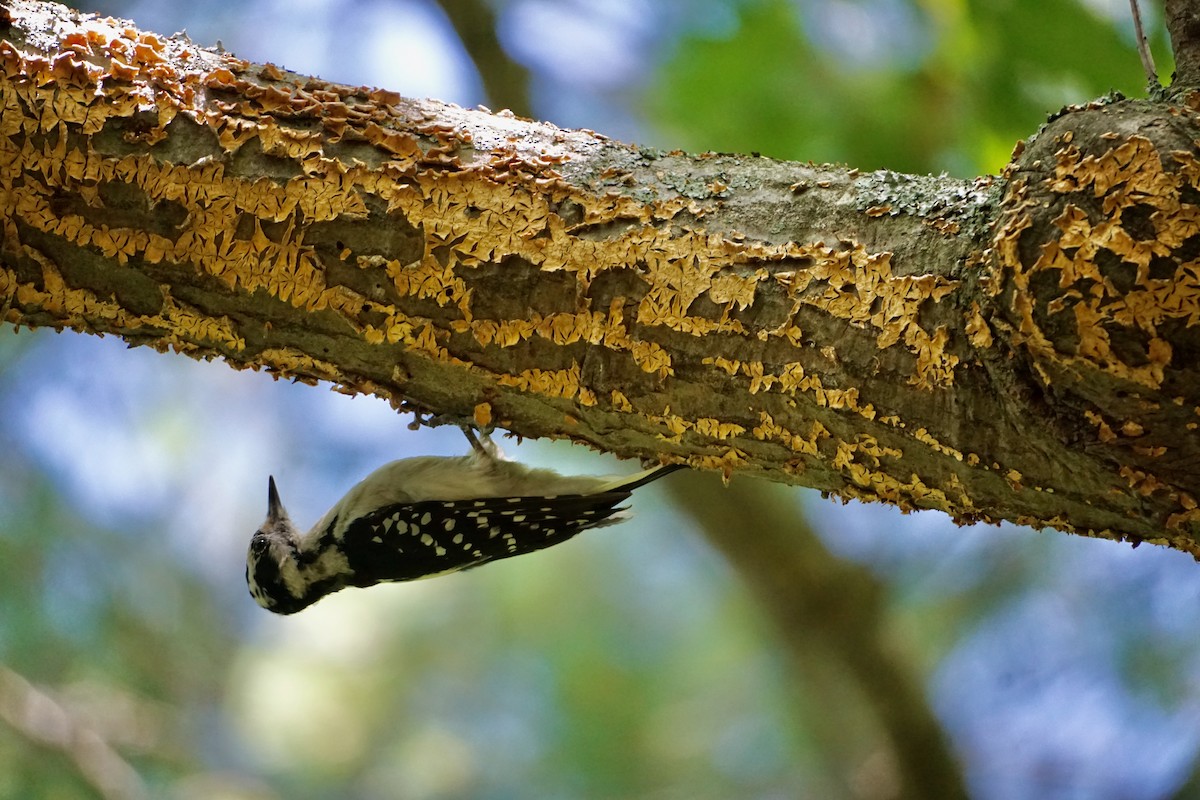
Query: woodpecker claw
(482,445)
(470,434)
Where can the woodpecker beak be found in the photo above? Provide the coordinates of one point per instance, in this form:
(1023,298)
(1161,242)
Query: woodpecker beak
(275,509)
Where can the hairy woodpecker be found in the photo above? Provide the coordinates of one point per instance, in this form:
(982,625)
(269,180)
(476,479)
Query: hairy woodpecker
(426,516)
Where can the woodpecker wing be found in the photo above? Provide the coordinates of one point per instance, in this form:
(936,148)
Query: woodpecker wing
(409,541)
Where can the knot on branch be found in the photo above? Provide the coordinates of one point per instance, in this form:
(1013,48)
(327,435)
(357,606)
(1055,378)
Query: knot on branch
(1096,277)
(1097,250)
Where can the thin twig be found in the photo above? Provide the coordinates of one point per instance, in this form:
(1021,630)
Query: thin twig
(1143,46)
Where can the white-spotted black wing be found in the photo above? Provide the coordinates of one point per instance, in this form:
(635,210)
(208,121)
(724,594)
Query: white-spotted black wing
(417,540)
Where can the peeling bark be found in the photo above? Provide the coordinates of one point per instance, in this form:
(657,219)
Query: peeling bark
(1019,348)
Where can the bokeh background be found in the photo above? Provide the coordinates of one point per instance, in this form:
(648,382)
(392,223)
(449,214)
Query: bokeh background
(755,642)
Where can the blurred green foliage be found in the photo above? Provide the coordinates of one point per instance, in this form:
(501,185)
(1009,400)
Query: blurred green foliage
(974,78)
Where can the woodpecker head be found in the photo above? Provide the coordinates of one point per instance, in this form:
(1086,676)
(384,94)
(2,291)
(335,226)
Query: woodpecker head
(273,570)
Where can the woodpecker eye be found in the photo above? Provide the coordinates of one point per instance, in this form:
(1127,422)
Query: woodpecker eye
(265,578)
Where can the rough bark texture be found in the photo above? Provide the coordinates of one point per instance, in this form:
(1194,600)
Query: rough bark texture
(1017,348)
(1183,22)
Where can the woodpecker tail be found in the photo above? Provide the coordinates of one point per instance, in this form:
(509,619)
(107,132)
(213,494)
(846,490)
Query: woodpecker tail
(628,483)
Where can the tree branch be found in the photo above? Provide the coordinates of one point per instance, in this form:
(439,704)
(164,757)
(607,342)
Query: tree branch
(1013,348)
(40,718)
(1183,23)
